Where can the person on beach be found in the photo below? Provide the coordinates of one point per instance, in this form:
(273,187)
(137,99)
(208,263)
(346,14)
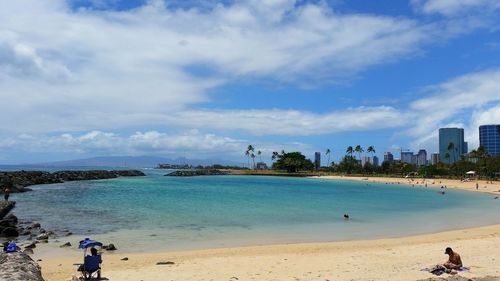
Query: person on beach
(454,260)
(6,192)
(93,252)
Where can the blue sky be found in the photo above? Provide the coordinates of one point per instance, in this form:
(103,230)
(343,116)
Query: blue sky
(201,78)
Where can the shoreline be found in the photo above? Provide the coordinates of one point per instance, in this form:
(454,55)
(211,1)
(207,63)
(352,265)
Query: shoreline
(380,259)
(492,187)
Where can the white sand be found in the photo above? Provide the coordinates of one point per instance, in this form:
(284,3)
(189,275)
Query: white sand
(385,259)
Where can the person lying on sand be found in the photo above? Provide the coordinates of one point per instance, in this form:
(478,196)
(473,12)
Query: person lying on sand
(454,260)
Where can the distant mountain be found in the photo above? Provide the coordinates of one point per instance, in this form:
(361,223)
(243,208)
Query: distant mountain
(135,161)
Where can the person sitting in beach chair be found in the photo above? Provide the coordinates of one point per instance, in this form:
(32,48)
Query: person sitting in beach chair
(91,263)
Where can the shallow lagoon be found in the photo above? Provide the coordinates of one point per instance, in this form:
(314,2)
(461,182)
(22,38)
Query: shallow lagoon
(156,212)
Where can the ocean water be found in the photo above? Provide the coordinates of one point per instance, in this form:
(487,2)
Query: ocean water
(165,213)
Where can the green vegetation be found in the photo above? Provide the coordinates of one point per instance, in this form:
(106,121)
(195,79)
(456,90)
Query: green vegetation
(477,160)
(292,162)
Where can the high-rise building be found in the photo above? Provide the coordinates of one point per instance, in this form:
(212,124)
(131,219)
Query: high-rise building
(407,157)
(422,157)
(365,159)
(434,158)
(451,144)
(317,160)
(388,157)
(489,138)
(368,159)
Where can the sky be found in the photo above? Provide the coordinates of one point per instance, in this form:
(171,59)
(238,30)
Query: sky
(204,79)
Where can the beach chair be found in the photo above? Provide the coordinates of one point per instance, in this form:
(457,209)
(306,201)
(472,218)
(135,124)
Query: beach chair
(91,267)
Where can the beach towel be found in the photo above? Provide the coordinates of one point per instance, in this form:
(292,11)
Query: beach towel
(437,270)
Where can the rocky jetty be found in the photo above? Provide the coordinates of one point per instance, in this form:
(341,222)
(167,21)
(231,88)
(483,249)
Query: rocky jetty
(192,173)
(8,223)
(5,207)
(19,267)
(22,179)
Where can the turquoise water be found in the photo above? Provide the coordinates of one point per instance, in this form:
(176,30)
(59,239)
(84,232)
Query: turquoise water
(191,212)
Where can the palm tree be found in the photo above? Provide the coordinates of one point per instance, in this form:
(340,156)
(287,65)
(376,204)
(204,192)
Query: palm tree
(259,153)
(275,155)
(447,156)
(451,147)
(328,153)
(358,149)
(248,153)
(349,150)
(253,159)
(481,152)
(371,150)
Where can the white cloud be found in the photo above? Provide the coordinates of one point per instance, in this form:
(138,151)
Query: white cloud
(294,122)
(454,7)
(192,144)
(64,70)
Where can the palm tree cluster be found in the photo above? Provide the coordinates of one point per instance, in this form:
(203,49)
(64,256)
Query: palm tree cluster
(250,153)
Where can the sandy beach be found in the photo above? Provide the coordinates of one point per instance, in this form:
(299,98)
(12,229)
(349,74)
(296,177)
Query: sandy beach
(492,187)
(381,259)
(384,259)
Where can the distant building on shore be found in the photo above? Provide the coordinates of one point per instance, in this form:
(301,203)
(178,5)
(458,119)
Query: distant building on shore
(388,157)
(368,159)
(489,138)
(434,158)
(261,166)
(453,136)
(422,157)
(407,157)
(365,159)
(317,160)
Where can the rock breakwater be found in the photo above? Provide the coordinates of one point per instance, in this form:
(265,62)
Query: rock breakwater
(19,267)
(22,179)
(192,173)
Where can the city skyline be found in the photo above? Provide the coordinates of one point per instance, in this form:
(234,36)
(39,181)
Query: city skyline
(204,79)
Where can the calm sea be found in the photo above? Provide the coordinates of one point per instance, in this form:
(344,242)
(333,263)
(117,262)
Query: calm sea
(161,213)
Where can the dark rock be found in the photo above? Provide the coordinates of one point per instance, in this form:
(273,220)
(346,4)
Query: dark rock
(110,247)
(9,232)
(69,233)
(5,207)
(67,244)
(31,246)
(43,236)
(19,267)
(165,263)
(35,225)
(192,173)
(28,251)
(9,220)
(124,259)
